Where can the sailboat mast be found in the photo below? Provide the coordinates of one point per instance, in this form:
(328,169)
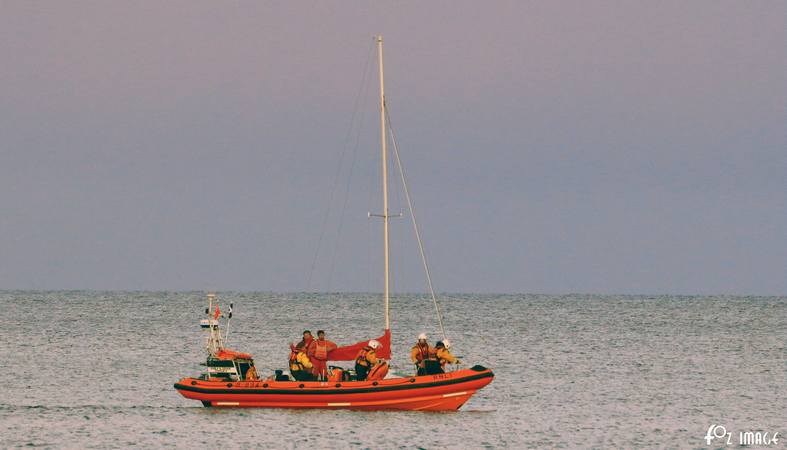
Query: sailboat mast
(383,140)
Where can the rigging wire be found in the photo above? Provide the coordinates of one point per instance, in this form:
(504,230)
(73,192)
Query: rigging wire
(344,204)
(339,167)
(415,223)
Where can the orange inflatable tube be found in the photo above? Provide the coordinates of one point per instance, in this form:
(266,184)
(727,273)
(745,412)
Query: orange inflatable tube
(440,392)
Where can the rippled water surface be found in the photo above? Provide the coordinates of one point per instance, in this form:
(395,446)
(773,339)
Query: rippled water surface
(95,369)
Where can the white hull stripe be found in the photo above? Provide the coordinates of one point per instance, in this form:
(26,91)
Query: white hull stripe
(455,394)
(338,404)
(227,403)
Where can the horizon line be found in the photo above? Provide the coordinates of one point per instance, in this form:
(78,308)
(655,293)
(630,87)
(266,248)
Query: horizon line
(393,294)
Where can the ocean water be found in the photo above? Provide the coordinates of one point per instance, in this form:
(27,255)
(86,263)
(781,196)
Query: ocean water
(95,370)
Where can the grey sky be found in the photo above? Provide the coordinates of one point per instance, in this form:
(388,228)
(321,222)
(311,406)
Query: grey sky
(608,147)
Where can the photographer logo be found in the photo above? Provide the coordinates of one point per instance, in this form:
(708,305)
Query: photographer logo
(741,438)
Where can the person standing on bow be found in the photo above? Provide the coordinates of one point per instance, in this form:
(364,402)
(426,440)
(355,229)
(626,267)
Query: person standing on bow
(421,353)
(443,355)
(318,354)
(366,359)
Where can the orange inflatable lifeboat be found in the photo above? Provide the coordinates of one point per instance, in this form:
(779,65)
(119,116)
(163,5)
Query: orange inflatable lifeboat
(231,381)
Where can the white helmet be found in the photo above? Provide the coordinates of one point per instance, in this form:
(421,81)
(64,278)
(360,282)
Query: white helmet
(422,337)
(374,343)
(447,343)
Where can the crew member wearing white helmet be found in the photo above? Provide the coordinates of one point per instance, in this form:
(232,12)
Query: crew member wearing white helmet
(421,353)
(366,359)
(443,355)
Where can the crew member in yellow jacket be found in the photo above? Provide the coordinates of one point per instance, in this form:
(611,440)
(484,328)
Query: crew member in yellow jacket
(443,355)
(300,365)
(421,353)
(366,359)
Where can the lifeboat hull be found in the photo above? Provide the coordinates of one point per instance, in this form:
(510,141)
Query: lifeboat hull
(442,392)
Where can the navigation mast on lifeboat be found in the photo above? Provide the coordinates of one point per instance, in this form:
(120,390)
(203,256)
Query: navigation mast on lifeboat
(214,342)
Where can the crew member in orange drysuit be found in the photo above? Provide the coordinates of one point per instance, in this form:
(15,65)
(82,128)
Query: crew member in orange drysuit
(420,353)
(318,354)
(305,342)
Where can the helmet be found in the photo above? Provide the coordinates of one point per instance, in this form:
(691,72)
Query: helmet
(422,337)
(374,344)
(447,343)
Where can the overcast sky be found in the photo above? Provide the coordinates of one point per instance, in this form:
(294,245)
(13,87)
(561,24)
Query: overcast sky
(552,147)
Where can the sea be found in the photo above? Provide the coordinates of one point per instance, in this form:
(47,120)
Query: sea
(85,369)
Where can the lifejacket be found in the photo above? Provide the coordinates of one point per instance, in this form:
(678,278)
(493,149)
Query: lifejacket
(296,365)
(361,358)
(378,372)
(423,352)
(447,357)
(251,374)
(321,350)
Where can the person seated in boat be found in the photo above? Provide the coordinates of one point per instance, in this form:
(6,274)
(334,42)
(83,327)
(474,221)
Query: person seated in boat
(421,353)
(251,374)
(300,365)
(443,355)
(366,359)
(318,355)
(378,372)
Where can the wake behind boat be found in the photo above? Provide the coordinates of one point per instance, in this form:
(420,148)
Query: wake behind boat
(231,379)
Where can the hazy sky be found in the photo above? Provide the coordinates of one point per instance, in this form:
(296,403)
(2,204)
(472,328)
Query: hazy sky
(604,147)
